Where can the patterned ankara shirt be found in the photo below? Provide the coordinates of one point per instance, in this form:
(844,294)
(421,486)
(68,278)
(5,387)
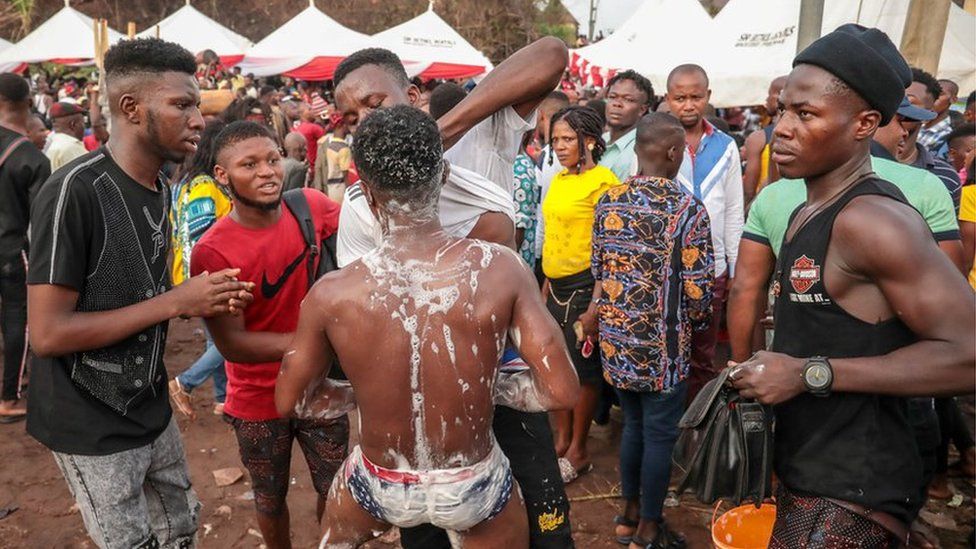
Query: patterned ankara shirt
(526,196)
(652,254)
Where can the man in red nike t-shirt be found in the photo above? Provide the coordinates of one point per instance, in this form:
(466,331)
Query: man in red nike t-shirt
(264,239)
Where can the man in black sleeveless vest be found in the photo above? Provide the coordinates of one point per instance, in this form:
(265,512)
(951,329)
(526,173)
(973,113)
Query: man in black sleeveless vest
(868,310)
(99,305)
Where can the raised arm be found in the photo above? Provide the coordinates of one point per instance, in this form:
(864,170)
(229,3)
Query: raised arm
(522,81)
(302,388)
(550,383)
(57,328)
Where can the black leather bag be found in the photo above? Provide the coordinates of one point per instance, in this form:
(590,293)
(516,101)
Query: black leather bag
(725,449)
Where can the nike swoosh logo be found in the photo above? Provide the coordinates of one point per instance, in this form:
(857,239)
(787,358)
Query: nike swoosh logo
(269,289)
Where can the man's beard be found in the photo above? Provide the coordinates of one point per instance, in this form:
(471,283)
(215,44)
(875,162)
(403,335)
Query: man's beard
(265,206)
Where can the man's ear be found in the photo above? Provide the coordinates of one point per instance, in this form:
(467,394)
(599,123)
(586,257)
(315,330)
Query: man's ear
(220,175)
(413,94)
(671,153)
(866,124)
(130,108)
(447,172)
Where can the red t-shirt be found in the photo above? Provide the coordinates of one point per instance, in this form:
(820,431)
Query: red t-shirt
(312,132)
(274,258)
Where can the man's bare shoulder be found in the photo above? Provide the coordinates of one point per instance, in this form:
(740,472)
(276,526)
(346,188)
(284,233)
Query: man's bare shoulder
(878,229)
(337,283)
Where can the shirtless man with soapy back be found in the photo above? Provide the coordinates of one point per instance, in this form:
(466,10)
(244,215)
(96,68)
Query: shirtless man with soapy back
(419,325)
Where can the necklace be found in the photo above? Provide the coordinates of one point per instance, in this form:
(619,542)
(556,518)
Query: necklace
(799,224)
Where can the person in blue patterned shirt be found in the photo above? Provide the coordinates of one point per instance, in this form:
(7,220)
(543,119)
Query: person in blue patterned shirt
(652,257)
(527,196)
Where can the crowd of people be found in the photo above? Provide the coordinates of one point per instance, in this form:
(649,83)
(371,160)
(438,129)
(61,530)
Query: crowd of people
(480,273)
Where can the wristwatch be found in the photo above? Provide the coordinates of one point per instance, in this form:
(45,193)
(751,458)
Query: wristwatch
(818,376)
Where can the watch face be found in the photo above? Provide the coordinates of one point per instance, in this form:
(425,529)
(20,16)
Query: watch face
(817,376)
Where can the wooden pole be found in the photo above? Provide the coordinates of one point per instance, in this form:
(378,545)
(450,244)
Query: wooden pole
(811,21)
(925,27)
(131,30)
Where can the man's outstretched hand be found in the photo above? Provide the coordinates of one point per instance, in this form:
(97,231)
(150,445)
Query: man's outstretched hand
(770,378)
(212,294)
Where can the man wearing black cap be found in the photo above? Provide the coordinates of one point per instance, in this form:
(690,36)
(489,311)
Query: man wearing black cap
(863,298)
(64,144)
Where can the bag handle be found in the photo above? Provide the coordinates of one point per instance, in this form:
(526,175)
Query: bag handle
(699,408)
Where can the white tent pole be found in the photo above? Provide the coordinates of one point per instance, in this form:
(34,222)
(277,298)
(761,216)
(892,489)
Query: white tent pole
(430,5)
(67,3)
(811,21)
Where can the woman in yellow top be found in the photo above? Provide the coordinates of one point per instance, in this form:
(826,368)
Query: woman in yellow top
(575,136)
(967,227)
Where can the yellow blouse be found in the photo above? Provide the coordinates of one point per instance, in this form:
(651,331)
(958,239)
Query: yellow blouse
(967,212)
(568,211)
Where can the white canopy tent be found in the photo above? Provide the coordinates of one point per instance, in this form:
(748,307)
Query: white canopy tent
(7,67)
(958,59)
(742,49)
(309,46)
(750,42)
(67,37)
(428,46)
(197,32)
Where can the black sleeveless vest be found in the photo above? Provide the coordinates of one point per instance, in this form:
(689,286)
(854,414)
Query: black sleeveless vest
(849,446)
(125,374)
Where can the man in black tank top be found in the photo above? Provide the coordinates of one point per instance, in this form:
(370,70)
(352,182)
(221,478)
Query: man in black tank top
(868,310)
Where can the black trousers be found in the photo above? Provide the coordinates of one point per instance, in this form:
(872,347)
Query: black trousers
(526,439)
(953,428)
(13,322)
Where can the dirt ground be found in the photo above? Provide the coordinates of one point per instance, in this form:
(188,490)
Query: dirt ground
(30,481)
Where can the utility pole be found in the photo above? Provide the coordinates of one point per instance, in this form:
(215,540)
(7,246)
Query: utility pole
(594,4)
(811,21)
(925,27)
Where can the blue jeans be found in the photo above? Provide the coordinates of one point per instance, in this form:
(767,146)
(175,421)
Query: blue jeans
(650,430)
(210,363)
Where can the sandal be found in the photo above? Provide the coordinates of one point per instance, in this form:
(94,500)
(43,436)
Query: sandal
(181,398)
(621,520)
(570,473)
(665,539)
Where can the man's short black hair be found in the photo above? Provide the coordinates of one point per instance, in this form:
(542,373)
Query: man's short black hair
(235,132)
(687,68)
(966,130)
(946,83)
(971,99)
(380,57)
(444,98)
(398,152)
(265,90)
(639,80)
(148,55)
(932,86)
(13,88)
(654,126)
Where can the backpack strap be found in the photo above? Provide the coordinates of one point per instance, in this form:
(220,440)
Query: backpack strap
(296,202)
(10,148)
